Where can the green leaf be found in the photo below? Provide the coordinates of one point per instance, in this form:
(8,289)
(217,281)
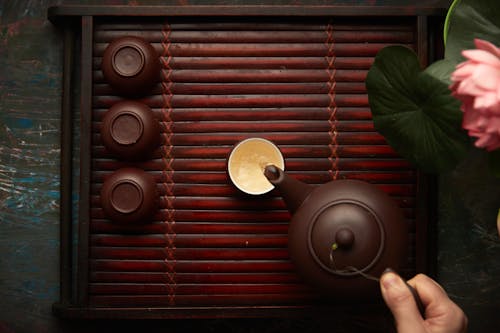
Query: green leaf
(469,19)
(414,110)
(446,27)
(441,70)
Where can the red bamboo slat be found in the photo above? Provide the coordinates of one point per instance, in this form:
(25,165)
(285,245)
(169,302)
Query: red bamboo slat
(228,228)
(396,186)
(200,217)
(282,62)
(251,101)
(292,164)
(297,62)
(231,191)
(256,76)
(256,114)
(190,88)
(202,278)
(267,76)
(194,289)
(224,203)
(261,62)
(298,138)
(209,177)
(219,266)
(250,126)
(212,216)
(263,49)
(202,300)
(191,240)
(186,253)
(264,114)
(268,126)
(379,151)
(203,203)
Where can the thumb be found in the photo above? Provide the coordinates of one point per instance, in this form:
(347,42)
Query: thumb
(400,301)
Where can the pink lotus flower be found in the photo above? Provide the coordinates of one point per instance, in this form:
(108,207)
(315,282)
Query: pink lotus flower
(476,83)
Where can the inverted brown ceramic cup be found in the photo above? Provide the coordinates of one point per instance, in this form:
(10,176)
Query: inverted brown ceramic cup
(130,131)
(131,66)
(247,161)
(129,195)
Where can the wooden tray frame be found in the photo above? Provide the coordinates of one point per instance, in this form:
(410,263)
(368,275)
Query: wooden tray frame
(77,26)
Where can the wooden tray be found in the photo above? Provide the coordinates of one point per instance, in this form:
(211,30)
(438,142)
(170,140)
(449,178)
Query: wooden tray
(210,250)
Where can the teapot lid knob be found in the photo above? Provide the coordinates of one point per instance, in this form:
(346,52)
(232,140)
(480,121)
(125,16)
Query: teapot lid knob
(344,238)
(351,227)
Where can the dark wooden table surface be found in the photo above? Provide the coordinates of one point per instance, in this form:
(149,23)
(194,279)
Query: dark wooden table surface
(30,89)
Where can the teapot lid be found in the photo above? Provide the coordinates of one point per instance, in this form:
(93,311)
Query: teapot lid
(343,231)
(346,237)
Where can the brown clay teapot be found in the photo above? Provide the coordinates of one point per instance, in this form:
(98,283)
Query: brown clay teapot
(341,232)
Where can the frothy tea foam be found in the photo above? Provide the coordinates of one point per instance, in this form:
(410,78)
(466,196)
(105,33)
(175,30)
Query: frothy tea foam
(248,161)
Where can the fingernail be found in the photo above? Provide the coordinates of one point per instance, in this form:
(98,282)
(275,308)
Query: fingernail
(389,280)
(388,270)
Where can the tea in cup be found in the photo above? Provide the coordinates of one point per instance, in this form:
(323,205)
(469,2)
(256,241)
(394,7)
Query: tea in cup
(247,162)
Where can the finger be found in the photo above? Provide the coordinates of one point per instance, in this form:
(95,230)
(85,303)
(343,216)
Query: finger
(431,293)
(400,301)
(443,311)
(418,300)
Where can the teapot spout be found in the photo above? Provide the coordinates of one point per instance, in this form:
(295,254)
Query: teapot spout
(293,191)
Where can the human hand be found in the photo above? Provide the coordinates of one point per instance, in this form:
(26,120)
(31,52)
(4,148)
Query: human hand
(441,314)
